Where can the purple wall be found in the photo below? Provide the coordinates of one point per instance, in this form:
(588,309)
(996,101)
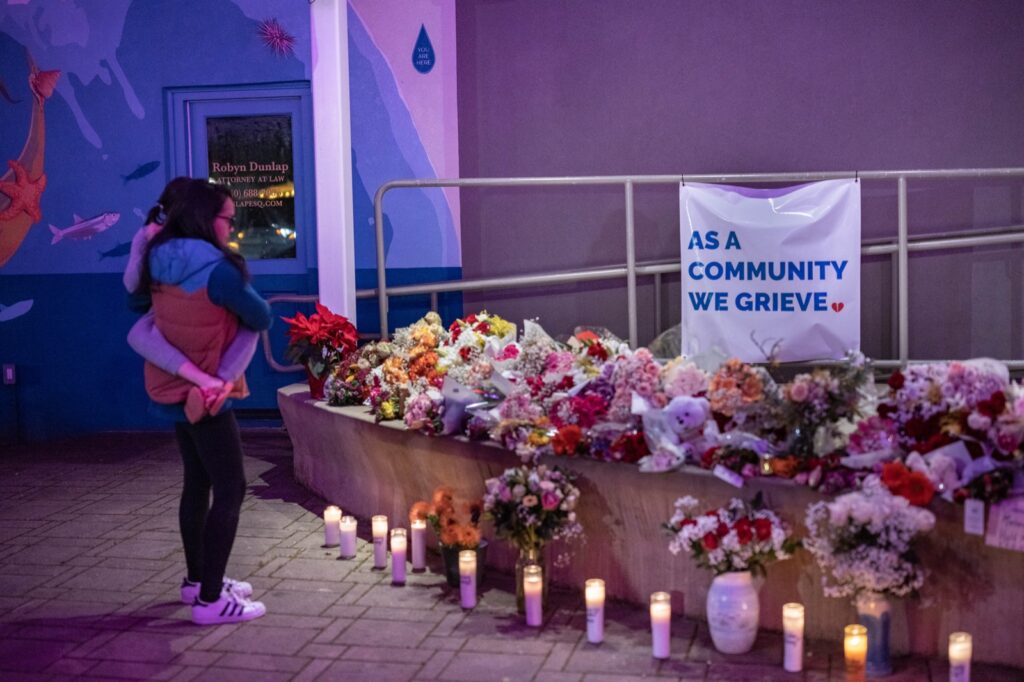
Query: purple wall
(578,87)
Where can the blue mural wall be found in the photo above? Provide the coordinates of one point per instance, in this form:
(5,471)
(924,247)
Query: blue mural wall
(103,155)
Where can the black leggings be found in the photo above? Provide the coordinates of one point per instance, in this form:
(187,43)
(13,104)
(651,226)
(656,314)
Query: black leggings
(212,453)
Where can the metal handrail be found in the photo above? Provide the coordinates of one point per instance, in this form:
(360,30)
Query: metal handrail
(900,250)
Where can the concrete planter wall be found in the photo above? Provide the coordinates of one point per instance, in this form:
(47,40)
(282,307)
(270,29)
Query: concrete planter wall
(382,469)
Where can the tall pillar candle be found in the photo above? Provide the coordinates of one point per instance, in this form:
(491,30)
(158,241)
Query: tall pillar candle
(379,526)
(661,624)
(399,548)
(419,545)
(594,595)
(533,590)
(332,528)
(855,650)
(467,578)
(347,548)
(793,635)
(960,645)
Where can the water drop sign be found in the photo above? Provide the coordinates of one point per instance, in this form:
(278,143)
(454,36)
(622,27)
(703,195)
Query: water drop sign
(423,52)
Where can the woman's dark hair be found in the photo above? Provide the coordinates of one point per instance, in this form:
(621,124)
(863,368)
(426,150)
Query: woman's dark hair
(168,198)
(191,217)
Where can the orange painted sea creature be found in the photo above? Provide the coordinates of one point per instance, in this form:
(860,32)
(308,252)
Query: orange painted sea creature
(19,207)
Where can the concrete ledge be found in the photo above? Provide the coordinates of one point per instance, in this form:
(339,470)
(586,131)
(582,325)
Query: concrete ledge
(382,469)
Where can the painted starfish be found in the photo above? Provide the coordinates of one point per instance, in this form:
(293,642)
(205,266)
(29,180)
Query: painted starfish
(24,193)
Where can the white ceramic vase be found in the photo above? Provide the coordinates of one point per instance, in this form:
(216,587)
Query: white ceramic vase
(733,612)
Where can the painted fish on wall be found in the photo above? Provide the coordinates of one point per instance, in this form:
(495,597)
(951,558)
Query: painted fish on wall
(141,172)
(10,312)
(21,187)
(85,228)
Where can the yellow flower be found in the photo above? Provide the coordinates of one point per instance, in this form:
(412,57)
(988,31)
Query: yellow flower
(500,327)
(387,410)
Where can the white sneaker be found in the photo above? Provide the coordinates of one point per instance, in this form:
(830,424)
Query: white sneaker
(190,591)
(230,608)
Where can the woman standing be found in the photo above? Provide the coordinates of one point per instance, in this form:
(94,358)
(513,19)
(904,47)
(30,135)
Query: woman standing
(200,296)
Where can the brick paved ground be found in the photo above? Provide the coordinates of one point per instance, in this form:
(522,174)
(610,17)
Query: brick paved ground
(90,564)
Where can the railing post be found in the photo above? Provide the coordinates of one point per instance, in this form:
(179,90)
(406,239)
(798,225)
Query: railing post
(382,286)
(433,301)
(903,279)
(630,266)
(657,304)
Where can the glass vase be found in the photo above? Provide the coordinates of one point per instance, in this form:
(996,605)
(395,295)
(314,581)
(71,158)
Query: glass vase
(874,613)
(529,556)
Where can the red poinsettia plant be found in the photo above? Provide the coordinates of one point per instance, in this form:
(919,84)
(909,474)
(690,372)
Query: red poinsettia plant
(320,340)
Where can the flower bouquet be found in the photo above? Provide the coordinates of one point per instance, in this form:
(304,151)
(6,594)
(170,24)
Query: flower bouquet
(319,341)
(456,529)
(734,542)
(864,543)
(531,506)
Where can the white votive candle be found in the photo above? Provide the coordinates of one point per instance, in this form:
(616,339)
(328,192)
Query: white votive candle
(855,651)
(960,646)
(380,541)
(467,578)
(661,624)
(399,544)
(793,635)
(348,537)
(533,588)
(594,595)
(332,529)
(419,546)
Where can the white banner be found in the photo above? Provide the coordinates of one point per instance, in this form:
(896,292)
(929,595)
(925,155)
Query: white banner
(771,269)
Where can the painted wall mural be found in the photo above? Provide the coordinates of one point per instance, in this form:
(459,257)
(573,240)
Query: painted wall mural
(22,185)
(402,73)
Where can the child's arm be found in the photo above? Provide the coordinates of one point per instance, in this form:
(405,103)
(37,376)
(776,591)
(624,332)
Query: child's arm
(146,340)
(133,271)
(238,354)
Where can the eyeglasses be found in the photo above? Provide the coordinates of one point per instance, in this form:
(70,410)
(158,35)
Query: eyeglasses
(229,218)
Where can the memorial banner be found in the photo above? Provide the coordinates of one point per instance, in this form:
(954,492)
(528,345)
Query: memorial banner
(771,270)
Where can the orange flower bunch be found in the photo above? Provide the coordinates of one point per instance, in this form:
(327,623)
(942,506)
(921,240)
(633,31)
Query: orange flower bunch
(454,527)
(913,485)
(394,371)
(733,386)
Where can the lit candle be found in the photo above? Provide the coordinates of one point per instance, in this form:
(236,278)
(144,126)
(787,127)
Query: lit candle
(594,594)
(419,546)
(467,578)
(332,531)
(399,541)
(380,541)
(960,657)
(793,635)
(661,624)
(348,537)
(855,649)
(533,587)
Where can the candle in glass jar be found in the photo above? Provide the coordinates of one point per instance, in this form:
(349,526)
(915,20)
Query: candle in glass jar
(793,635)
(399,544)
(419,545)
(533,587)
(661,624)
(855,649)
(332,529)
(380,541)
(594,595)
(467,578)
(960,645)
(347,548)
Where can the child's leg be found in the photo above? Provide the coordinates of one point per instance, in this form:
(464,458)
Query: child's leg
(146,340)
(238,354)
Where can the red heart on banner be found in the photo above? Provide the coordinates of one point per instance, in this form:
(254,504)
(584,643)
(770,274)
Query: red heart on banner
(838,306)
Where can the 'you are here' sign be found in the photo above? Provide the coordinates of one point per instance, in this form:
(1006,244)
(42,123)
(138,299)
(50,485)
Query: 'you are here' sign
(771,268)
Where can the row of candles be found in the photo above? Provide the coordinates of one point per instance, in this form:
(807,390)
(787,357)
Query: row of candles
(340,531)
